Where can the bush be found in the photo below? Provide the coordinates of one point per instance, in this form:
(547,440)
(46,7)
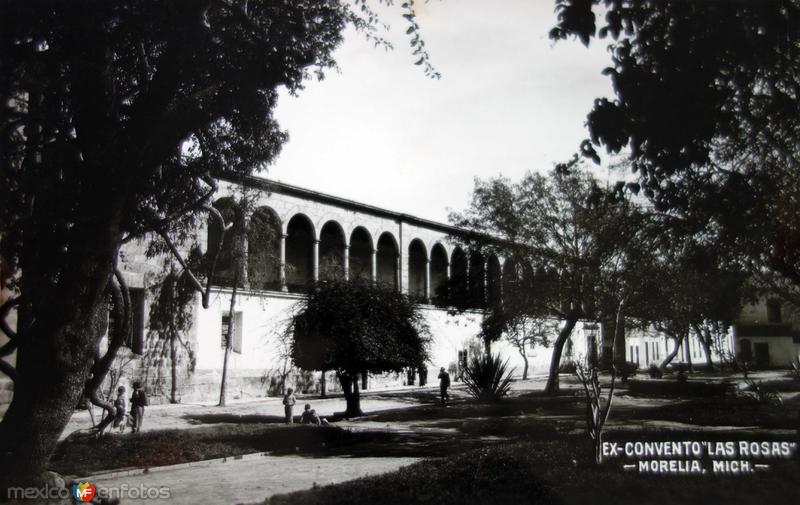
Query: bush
(487,378)
(568,367)
(627,369)
(795,371)
(654,371)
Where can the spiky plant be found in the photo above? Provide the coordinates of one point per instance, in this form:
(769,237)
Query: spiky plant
(487,377)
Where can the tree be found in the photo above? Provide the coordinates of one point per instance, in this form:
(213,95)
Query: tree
(706,108)
(558,229)
(170,318)
(695,287)
(115,119)
(520,329)
(352,327)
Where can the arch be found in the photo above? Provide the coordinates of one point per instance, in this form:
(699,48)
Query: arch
(477,280)
(227,261)
(417,267)
(439,273)
(510,280)
(388,254)
(458,286)
(299,252)
(361,254)
(264,249)
(332,250)
(494,281)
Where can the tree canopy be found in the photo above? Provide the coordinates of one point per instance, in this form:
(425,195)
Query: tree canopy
(353,327)
(566,243)
(706,107)
(115,120)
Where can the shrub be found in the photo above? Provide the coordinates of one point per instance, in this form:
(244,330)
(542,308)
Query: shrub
(761,393)
(567,367)
(487,377)
(654,371)
(795,371)
(627,369)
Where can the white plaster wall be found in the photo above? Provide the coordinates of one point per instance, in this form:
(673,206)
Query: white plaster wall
(782,350)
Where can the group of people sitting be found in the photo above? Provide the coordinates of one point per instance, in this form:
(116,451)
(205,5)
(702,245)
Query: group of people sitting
(309,415)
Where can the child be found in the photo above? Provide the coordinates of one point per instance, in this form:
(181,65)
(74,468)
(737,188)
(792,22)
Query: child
(122,409)
(289,401)
(138,403)
(310,417)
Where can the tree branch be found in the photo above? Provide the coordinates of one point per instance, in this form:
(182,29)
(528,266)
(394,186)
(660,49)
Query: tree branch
(4,310)
(205,291)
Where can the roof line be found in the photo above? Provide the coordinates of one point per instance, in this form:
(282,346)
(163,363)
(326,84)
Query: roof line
(288,189)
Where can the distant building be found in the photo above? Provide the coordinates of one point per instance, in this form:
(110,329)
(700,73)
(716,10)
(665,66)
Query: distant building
(312,236)
(315,236)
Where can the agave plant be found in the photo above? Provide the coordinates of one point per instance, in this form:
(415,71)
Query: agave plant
(487,377)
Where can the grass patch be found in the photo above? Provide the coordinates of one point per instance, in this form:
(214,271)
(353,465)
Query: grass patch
(169,447)
(547,472)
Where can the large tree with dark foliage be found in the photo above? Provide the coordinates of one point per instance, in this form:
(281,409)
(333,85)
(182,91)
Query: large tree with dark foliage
(115,118)
(569,244)
(354,327)
(706,106)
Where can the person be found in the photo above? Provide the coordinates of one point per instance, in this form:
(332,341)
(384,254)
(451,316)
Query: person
(444,383)
(288,402)
(122,409)
(310,416)
(138,403)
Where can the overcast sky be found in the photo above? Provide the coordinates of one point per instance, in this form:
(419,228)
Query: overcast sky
(381,133)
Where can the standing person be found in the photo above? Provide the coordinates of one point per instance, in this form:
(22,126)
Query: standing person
(122,409)
(288,402)
(444,383)
(138,403)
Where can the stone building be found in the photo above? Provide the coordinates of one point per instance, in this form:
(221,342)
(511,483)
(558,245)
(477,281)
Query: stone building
(296,236)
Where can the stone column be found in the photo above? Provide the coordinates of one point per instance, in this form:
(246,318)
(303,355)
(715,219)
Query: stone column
(374,265)
(282,263)
(346,262)
(486,283)
(427,281)
(398,276)
(245,255)
(315,261)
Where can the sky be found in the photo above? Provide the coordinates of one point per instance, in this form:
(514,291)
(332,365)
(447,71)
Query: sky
(382,133)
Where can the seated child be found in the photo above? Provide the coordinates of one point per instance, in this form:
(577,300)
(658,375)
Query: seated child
(310,416)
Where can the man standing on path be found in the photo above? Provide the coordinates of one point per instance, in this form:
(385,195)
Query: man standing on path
(444,383)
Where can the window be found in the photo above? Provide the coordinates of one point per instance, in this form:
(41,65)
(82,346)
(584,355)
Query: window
(646,353)
(774,311)
(236,343)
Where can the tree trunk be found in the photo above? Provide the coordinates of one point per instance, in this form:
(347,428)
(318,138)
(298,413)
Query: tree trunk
(323,385)
(558,346)
(349,384)
(672,354)
(59,326)
(525,361)
(688,348)
(173,358)
(705,341)
(228,341)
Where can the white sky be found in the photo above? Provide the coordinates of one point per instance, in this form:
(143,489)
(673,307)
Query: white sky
(381,133)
